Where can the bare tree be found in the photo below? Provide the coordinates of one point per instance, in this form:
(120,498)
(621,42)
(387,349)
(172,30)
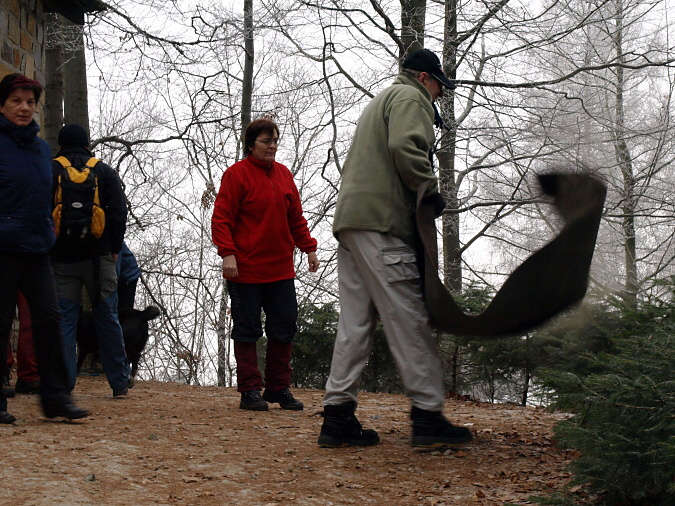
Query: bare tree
(536,81)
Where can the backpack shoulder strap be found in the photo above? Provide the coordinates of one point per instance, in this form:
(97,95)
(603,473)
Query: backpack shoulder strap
(65,163)
(92,162)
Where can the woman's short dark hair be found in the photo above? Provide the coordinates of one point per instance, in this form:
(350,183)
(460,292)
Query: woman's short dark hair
(256,127)
(11,82)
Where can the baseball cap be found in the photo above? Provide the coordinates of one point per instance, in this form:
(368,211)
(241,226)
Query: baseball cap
(426,61)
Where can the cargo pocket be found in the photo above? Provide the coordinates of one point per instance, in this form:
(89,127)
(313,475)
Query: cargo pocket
(399,264)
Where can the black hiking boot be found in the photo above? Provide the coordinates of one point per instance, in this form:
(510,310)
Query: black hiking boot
(253,401)
(7,387)
(284,398)
(432,430)
(7,417)
(69,411)
(121,392)
(27,387)
(341,428)
(124,390)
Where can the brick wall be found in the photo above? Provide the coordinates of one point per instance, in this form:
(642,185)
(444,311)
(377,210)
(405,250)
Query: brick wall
(22,39)
(22,35)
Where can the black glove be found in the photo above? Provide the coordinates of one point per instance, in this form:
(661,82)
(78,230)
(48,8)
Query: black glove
(438,119)
(437,201)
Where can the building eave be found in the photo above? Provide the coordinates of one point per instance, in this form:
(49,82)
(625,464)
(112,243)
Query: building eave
(74,10)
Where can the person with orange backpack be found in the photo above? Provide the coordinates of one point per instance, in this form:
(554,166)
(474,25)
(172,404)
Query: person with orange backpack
(90,214)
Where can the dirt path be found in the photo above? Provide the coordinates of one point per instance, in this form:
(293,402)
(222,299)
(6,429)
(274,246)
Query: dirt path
(176,444)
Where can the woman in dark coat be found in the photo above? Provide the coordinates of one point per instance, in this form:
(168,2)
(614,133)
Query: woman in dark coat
(26,236)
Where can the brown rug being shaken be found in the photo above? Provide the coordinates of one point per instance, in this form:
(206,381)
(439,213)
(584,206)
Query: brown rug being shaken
(549,281)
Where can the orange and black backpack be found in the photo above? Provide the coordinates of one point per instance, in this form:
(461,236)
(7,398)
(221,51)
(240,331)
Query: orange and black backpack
(78,213)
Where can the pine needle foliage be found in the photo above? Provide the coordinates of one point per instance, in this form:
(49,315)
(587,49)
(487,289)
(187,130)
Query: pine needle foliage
(313,351)
(624,411)
(313,344)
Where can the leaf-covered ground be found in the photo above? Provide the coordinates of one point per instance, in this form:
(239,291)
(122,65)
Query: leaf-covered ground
(175,444)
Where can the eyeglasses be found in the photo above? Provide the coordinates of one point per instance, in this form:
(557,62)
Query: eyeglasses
(270,140)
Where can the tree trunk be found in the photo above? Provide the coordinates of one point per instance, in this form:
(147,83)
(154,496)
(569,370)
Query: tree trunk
(224,368)
(454,368)
(247,80)
(526,387)
(452,253)
(527,373)
(625,162)
(225,372)
(413,19)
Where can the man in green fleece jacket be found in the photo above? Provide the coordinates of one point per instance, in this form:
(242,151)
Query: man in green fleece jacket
(374,223)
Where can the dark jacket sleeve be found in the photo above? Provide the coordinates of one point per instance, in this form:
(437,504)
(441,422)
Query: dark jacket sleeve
(114,204)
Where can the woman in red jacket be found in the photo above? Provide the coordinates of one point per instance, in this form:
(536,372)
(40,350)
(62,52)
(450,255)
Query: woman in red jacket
(257,224)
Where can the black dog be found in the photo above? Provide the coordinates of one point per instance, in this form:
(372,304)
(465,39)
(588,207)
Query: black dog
(134,328)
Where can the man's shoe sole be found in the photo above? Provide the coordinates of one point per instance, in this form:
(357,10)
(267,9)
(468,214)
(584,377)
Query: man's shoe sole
(70,414)
(434,442)
(333,442)
(291,407)
(249,407)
